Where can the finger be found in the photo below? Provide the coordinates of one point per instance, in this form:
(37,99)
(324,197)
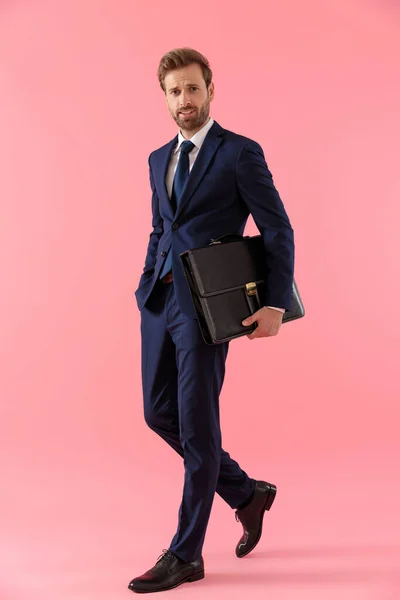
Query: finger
(248,321)
(259,333)
(253,335)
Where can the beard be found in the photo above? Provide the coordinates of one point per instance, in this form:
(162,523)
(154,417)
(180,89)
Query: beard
(196,121)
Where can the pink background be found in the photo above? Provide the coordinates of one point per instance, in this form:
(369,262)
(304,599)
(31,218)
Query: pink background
(89,495)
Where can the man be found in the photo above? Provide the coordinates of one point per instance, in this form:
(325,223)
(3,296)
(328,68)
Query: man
(205,182)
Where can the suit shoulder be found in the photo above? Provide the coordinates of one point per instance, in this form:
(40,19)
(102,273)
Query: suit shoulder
(239,140)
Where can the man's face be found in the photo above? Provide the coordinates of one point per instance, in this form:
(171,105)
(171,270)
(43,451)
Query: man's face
(188,98)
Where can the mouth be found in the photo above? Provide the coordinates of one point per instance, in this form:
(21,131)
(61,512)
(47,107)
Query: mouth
(187,113)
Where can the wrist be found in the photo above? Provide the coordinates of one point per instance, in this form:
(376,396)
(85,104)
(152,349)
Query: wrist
(281,310)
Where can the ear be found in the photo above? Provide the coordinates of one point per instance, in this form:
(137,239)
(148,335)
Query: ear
(211,90)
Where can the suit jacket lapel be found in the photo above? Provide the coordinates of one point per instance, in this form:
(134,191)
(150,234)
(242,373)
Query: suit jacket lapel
(209,147)
(161,176)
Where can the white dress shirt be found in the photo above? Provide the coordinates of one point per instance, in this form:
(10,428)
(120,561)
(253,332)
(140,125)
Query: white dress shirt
(197,140)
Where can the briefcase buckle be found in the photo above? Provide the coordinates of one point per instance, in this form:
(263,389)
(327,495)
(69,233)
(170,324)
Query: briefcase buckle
(251,288)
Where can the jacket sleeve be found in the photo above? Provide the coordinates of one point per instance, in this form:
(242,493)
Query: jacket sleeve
(258,192)
(158,228)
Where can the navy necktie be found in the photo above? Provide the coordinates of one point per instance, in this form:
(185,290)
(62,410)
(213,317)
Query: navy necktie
(181,176)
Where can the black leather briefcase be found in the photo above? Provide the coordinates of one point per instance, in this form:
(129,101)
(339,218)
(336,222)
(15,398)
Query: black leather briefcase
(226,280)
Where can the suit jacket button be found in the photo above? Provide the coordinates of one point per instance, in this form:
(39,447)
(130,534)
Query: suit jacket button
(175,226)
(163,253)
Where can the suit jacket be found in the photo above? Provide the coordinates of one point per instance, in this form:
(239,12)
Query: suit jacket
(229,180)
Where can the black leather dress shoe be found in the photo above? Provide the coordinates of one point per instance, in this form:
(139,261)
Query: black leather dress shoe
(251,517)
(168,572)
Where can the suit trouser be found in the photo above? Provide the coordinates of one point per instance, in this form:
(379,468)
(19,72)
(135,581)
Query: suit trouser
(182,377)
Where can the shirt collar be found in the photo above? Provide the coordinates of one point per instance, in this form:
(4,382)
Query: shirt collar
(198,137)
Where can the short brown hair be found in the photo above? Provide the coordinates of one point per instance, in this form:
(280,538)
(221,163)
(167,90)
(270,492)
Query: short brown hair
(183,57)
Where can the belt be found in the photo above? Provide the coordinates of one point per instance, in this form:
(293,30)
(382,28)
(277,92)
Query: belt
(168,278)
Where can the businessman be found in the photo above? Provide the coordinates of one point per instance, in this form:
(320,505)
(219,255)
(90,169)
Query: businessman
(205,182)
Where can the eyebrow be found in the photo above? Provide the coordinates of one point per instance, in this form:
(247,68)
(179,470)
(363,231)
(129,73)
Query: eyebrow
(187,85)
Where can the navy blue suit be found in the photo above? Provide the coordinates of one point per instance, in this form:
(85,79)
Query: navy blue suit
(182,376)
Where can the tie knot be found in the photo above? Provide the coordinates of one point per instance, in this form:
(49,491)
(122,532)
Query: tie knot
(187,147)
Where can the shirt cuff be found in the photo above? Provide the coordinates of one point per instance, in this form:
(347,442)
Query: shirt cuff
(282,310)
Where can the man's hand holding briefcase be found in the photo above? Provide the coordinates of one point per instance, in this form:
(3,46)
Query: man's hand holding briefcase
(227,280)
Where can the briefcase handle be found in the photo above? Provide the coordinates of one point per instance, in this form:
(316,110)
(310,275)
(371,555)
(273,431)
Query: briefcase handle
(228,237)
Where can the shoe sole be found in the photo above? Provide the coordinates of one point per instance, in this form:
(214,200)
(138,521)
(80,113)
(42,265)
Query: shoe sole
(268,503)
(195,577)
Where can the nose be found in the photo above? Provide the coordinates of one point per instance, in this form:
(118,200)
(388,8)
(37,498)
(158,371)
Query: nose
(184,99)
